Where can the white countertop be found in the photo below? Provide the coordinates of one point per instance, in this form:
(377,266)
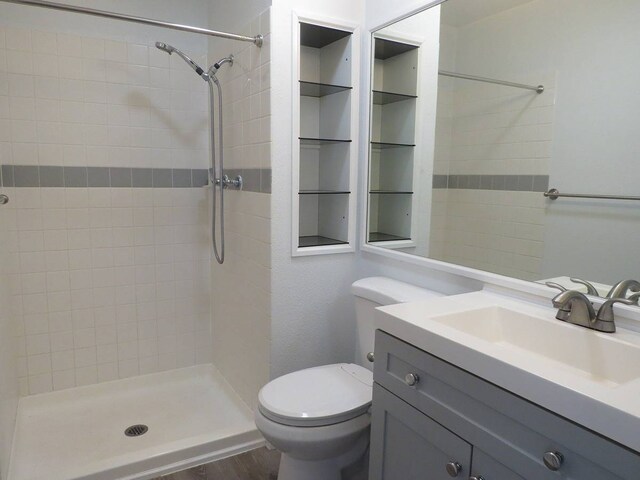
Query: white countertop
(612,410)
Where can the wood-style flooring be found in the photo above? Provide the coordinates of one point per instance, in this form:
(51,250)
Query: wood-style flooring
(259,464)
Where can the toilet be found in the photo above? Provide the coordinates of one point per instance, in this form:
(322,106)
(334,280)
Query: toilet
(319,418)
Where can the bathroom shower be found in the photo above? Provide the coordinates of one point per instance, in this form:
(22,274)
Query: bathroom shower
(216,172)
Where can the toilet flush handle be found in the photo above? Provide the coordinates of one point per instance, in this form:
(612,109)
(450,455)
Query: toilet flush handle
(370,357)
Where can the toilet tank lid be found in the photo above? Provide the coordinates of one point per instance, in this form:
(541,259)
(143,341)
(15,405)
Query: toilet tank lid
(387,291)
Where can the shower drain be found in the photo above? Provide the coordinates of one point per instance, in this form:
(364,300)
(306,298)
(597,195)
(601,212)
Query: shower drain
(136,430)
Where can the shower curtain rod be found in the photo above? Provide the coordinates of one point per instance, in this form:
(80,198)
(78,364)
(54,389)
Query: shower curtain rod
(538,88)
(257,40)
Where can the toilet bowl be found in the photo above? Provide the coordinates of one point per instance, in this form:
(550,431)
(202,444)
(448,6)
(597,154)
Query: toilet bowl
(319,418)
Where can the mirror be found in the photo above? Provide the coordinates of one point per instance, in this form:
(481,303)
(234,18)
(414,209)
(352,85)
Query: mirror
(480,108)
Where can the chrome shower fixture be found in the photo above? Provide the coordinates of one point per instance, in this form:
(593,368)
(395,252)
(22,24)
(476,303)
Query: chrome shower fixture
(219,181)
(170,49)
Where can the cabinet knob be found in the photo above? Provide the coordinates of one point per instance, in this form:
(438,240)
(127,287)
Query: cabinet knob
(553,460)
(478,477)
(370,357)
(411,379)
(453,469)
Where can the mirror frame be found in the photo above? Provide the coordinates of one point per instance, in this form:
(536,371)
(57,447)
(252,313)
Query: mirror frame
(529,288)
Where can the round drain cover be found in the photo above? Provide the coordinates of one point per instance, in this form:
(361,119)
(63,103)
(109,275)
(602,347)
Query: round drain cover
(136,430)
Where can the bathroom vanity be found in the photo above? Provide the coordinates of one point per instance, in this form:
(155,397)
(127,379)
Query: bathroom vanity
(449,402)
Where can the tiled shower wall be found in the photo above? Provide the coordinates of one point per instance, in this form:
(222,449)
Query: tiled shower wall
(8,351)
(491,167)
(103,145)
(242,285)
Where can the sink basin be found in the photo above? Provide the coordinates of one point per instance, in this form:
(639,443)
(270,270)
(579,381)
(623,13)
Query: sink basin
(600,357)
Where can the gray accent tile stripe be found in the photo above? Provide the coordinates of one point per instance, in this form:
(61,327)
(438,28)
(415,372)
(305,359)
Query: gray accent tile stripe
(515,183)
(120,177)
(75,176)
(181,177)
(26,176)
(7,175)
(98,177)
(255,179)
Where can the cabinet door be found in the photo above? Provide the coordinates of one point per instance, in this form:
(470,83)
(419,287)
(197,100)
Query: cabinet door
(408,445)
(485,467)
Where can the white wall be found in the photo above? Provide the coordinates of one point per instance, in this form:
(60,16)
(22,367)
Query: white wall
(313,315)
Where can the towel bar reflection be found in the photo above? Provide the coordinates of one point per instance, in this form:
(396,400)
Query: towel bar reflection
(554,194)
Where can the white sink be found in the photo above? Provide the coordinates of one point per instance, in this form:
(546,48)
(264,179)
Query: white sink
(600,357)
(589,377)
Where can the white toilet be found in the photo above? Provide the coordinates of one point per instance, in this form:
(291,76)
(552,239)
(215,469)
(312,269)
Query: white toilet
(319,417)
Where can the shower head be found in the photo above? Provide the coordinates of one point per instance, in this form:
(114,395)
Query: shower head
(170,49)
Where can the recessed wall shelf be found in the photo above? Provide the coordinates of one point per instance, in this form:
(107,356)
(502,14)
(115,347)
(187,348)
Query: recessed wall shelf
(384,98)
(389,192)
(324,161)
(394,104)
(322,192)
(318,241)
(385,237)
(385,49)
(317,90)
(321,141)
(385,145)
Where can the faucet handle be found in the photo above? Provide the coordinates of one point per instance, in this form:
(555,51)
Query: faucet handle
(556,285)
(591,290)
(605,313)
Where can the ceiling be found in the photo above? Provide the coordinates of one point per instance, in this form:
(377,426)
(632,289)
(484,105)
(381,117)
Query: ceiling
(458,13)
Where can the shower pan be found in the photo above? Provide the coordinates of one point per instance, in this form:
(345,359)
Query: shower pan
(217,178)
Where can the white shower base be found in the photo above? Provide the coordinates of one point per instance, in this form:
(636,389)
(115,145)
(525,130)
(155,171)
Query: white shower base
(193,416)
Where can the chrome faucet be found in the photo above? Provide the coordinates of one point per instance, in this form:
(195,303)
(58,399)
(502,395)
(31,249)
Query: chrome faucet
(620,289)
(574,307)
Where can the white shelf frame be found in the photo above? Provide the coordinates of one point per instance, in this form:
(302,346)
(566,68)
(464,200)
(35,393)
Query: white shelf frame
(417,149)
(354,135)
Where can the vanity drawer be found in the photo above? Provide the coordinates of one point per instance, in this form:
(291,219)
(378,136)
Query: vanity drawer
(494,420)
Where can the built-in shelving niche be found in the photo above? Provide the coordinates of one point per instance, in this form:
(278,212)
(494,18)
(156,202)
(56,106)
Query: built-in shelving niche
(392,147)
(325,138)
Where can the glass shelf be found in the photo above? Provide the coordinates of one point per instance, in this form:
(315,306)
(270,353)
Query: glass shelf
(323,192)
(312,89)
(384,237)
(320,141)
(384,98)
(317,241)
(390,192)
(385,145)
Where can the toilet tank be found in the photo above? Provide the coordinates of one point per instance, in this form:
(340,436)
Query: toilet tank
(374,292)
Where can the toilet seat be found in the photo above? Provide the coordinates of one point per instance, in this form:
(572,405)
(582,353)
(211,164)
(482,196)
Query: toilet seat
(317,396)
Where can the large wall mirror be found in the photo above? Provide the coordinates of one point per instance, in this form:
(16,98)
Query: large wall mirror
(479,108)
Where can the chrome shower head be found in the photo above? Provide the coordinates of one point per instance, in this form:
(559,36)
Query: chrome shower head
(170,49)
(164,47)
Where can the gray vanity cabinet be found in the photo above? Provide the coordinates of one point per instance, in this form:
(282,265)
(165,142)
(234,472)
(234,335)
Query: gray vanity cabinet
(412,443)
(428,413)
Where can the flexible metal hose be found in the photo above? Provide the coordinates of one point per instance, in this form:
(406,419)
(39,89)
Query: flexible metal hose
(215,181)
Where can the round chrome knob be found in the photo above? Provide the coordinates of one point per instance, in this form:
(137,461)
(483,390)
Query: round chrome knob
(411,379)
(553,460)
(370,357)
(453,469)
(3,199)
(479,477)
